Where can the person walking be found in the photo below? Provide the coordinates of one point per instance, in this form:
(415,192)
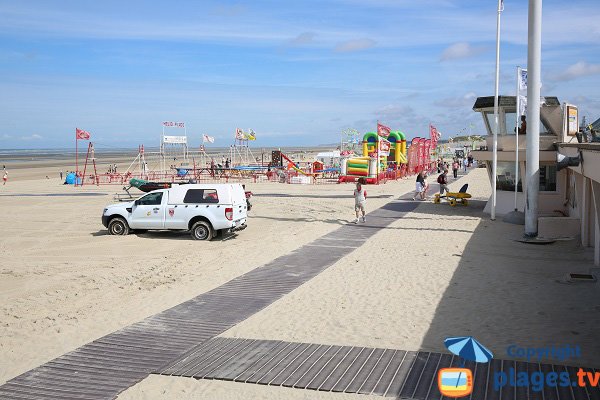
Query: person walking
(443,181)
(360,201)
(4,176)
(61,175)
(455,166)
(419,186)
(465,164)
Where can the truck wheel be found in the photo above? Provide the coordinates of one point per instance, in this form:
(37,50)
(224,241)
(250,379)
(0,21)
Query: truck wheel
(118,226)
(202,231)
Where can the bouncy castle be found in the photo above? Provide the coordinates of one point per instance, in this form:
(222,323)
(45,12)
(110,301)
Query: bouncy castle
(379,154)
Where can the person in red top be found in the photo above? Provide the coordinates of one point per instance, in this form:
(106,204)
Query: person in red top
(455,167)
(360,201)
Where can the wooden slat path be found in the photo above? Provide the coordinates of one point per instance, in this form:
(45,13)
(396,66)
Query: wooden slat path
(107,366)
(362,370)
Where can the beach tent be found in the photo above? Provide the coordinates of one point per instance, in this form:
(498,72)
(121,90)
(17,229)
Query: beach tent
(70,179)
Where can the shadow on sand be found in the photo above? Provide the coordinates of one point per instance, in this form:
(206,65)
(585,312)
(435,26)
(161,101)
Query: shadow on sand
(503,292)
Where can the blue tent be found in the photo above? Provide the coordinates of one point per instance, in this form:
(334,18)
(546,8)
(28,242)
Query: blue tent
(70,179)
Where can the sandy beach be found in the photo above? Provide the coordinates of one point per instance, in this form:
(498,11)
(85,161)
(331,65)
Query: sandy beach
(439,271)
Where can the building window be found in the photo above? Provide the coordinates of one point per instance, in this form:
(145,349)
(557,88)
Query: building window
(505,179)
(547,178)
(510,121)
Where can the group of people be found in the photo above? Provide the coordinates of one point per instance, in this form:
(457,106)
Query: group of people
(112,168)
(421,186)
(214,167)
(443,167)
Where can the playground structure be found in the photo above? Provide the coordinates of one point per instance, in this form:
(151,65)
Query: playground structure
(382,158)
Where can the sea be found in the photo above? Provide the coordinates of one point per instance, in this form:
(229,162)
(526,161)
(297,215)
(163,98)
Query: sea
(8,156)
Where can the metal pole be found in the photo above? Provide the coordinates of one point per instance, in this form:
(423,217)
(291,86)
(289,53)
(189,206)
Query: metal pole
(518,114)
(76,158)
(495,144)
(534,67)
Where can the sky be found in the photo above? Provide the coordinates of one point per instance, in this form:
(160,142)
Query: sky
(297,73)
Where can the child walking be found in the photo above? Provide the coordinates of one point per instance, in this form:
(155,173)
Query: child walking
(360,200)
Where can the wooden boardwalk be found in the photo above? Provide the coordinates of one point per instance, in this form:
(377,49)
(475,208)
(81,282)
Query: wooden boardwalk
(372,371)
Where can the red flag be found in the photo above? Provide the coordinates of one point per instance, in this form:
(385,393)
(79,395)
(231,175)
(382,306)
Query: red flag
(80,134)
(383,130)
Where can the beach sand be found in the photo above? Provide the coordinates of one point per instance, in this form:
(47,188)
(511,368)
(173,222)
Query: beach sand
(439,271)
(65,281)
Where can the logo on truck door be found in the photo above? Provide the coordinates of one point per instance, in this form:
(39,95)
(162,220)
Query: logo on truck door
(171,212)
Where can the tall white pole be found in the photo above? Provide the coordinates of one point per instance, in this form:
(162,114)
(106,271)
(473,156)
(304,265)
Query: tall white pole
(518,117)
(495,145)
(534,67)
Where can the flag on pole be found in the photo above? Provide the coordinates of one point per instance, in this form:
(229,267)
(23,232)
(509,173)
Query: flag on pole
(209,139)
(383,130)
(80,134)
(501,5)
(523,80)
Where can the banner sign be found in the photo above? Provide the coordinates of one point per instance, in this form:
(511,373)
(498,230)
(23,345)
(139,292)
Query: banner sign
(175,139)
(171,124)
(384,147)
(573,119)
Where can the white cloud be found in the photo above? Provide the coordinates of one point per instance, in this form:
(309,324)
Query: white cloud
(5,136)
(395,112)
(460,50)
(355,45)
(578,70)
(465,101)
(32,137)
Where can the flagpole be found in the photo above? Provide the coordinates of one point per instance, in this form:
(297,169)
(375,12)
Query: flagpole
(76,157)
(495,143)
(518,113)
(532,164)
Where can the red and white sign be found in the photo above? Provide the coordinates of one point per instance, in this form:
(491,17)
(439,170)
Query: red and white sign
(171,212)
(383,130)
(80,134)
(384,147)
(171,124)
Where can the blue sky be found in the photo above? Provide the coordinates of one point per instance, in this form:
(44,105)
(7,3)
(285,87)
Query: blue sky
(296,72)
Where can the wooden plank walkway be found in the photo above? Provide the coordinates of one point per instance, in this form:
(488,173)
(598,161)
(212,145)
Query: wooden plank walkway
(107,366)
(362,370)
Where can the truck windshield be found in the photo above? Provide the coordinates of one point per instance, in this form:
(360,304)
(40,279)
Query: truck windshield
(152,199)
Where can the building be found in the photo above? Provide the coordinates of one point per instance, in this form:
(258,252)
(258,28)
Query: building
(569,197)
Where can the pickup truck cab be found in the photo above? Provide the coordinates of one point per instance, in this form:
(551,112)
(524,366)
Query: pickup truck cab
(203,209)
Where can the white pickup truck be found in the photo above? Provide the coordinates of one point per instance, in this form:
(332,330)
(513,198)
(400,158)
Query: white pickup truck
(203,209)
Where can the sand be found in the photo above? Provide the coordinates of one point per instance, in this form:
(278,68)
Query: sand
(65,281)
(437,272)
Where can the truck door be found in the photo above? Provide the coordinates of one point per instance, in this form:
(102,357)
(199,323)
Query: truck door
(148,211)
